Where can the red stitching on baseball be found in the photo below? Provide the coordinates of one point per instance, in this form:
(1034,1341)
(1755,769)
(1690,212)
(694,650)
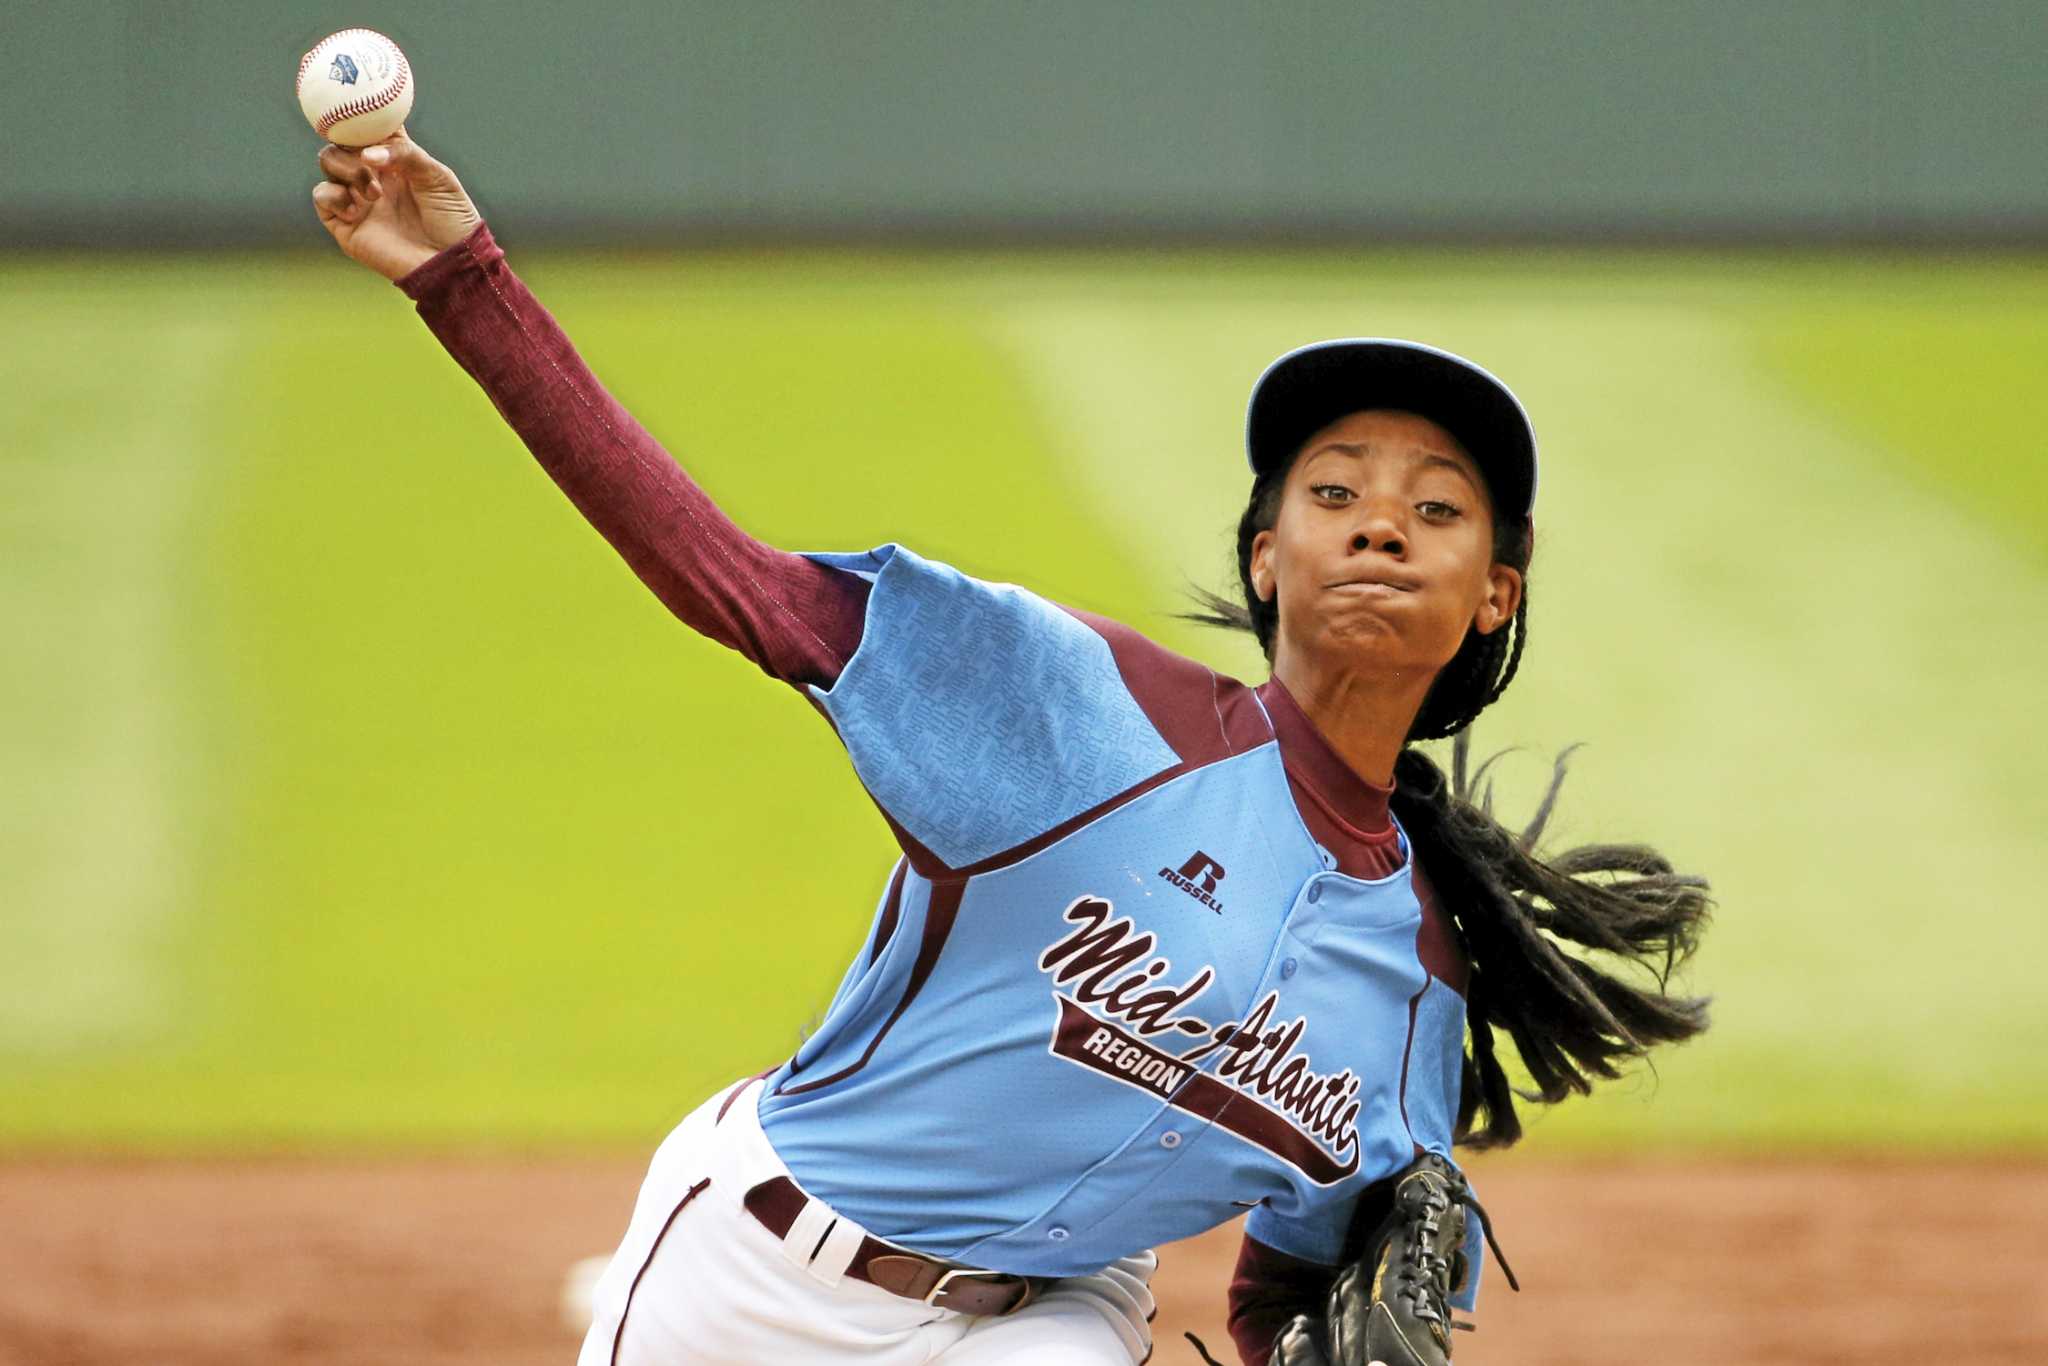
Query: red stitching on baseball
(355,107)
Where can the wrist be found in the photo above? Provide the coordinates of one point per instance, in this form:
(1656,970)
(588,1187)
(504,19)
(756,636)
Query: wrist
(440,268)
(404,260)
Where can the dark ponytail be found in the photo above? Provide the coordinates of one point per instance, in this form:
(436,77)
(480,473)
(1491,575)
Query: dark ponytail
(1572,1019)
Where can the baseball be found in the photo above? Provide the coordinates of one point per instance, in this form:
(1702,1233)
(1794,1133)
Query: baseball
(355,87)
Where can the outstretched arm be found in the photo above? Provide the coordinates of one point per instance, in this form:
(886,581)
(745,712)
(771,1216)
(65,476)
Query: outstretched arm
(396,210)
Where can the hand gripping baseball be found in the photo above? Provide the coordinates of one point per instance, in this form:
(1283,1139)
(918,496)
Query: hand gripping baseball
(390,205)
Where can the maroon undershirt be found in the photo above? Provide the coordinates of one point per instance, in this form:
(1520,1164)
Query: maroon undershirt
(800,621)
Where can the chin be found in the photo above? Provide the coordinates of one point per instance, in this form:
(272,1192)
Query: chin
(1363,635)
(1375,643)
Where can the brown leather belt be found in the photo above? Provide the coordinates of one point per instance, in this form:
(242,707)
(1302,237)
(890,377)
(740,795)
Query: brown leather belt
(777,1202)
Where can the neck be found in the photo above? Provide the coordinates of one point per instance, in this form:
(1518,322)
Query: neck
(1364,716)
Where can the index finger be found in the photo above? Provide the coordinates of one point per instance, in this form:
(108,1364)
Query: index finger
(345,166)
(389,148)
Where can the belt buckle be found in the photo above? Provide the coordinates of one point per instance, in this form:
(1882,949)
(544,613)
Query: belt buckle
(939,1287)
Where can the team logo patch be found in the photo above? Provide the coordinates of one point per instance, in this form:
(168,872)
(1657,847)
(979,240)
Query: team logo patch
(1199,878)
(344,71)
(1122,1017)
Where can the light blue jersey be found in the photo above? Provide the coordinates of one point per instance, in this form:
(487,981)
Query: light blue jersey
(1115,993)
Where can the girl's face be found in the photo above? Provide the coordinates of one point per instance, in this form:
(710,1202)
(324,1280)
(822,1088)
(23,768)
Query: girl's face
(1382,551)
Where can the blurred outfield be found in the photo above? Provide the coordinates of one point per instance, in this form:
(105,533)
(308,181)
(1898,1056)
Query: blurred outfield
(355,793)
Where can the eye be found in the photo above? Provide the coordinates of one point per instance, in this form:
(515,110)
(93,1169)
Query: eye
(1437,510)
(1332,493)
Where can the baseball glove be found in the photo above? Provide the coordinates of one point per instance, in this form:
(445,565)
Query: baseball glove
(1390,1307)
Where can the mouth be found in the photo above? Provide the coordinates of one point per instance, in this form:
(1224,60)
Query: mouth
(1376,584)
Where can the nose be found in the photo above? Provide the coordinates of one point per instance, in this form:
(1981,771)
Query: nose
(1378,529)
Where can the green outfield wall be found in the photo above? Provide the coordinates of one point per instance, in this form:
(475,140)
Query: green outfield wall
(128,122)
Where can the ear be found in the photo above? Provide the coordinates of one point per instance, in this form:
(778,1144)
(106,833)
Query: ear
(1262,566)
(1503,596)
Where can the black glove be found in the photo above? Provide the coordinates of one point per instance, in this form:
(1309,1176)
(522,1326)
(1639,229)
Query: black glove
(1389,1308)
(1299,1344)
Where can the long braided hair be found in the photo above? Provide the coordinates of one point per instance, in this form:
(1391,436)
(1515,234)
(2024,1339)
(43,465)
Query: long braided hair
(1573,1017)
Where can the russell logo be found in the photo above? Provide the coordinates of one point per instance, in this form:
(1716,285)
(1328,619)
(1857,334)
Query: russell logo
(1199,878)
(343,72)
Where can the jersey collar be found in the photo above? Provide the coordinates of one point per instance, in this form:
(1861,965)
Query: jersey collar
(1358,804)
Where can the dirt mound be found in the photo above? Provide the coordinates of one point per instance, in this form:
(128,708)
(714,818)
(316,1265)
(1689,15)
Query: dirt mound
(460,1262)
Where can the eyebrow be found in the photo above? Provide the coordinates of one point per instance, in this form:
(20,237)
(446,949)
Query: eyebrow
(1429,457)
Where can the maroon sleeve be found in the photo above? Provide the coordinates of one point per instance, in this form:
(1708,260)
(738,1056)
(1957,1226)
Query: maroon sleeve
(797,619)
(1268,1288)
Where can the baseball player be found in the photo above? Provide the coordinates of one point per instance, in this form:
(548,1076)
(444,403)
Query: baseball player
(1160,947)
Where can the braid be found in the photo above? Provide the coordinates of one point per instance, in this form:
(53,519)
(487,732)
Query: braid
(1571,1019)
(1514,664)
(1474,679)
(1260,617)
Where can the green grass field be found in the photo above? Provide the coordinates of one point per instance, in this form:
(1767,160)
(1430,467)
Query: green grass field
(356,795)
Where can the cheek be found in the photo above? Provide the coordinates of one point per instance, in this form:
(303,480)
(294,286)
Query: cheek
(1456,611)
(1295,573)
(1471,569)
(1283,560)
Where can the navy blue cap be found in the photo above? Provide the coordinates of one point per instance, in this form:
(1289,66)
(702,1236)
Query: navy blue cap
(1312,386)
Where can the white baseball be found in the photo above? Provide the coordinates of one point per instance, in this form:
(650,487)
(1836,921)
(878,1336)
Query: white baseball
(355,87)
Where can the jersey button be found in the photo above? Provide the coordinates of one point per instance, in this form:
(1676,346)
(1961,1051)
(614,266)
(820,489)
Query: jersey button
(1315,892)
(1057,1233)
(1170,1139)
(1287,967)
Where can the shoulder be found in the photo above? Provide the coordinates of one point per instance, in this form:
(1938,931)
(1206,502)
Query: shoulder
(981,716)
(921,607)
(1203,715)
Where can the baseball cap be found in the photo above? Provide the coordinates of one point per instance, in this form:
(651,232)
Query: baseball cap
(1312,386)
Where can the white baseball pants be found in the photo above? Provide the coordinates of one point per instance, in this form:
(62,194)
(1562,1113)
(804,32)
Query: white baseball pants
(699,1281)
